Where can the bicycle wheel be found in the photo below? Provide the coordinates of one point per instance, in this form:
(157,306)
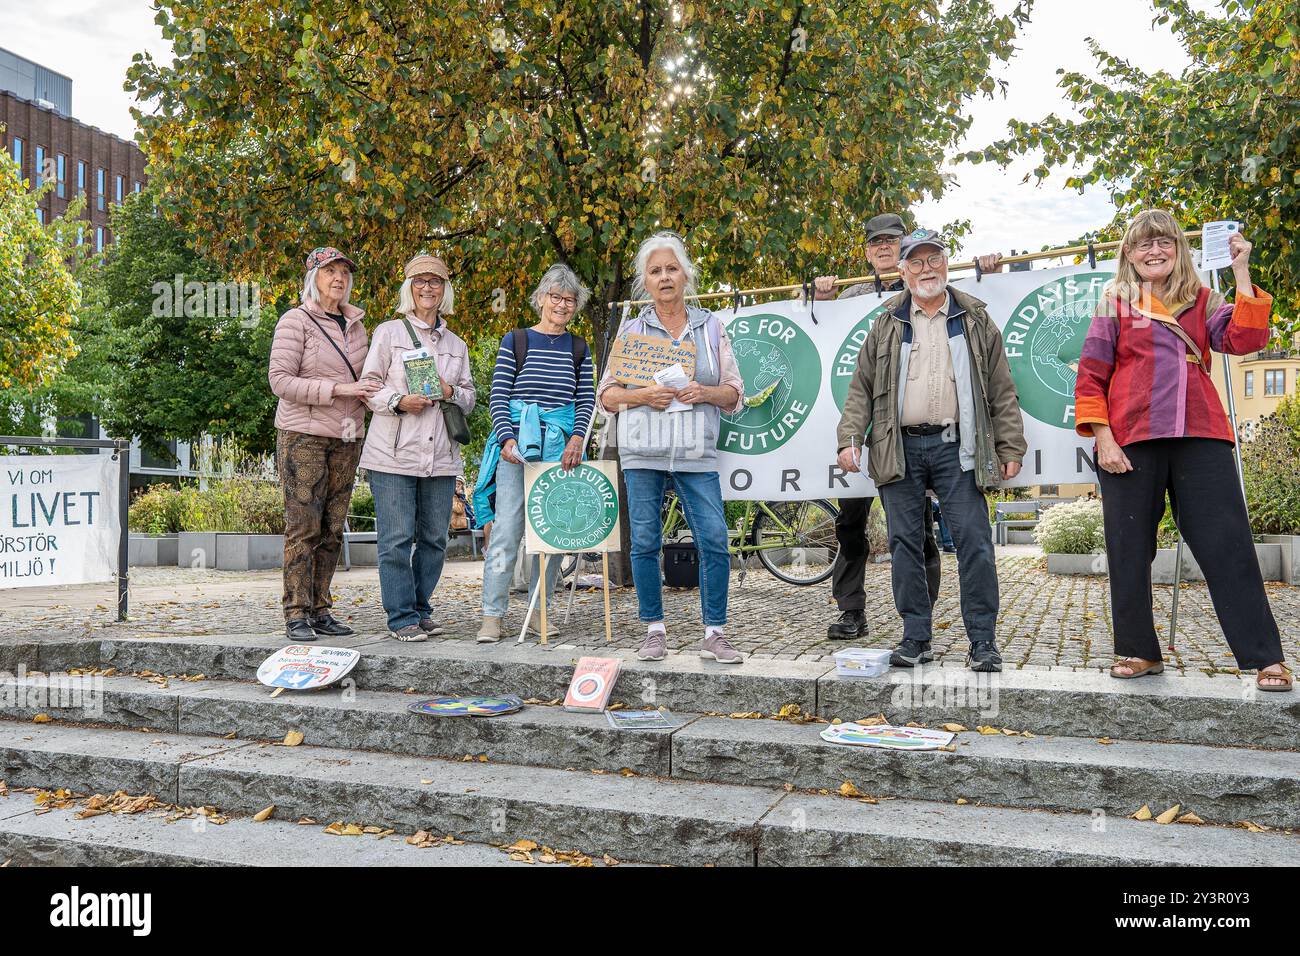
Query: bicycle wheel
(796,540)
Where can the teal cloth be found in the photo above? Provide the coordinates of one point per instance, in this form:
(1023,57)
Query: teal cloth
(543,433)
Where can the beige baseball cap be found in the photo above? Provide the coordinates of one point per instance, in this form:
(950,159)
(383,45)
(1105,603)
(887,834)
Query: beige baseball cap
(423,262)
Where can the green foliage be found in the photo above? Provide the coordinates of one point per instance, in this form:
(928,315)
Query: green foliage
(159,510)
(1219,141)
(508,134)
(38,296)
(361,512)
(234,504)
(1268,464)
(1074,527)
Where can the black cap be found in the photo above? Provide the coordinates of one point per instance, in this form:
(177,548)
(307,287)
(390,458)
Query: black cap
(886,224)
(917,238)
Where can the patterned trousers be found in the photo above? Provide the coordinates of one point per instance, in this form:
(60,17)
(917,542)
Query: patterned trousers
(317,474)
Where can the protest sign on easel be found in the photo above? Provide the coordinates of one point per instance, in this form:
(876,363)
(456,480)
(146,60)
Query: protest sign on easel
(634,359)
(569,512)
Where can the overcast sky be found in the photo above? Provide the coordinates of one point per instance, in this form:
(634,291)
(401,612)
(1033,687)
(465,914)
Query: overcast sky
(1004,213)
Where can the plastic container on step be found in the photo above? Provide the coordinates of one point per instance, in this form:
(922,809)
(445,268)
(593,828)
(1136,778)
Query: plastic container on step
(860,662)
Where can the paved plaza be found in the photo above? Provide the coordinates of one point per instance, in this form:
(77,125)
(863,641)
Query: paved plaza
(1046,620)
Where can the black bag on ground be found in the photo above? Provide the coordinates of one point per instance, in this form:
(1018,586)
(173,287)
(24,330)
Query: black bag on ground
(681,564)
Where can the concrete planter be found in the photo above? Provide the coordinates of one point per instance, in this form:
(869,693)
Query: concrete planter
(1020,537)
(249,552)
(1076,563)
(152,550)
(196,549)
(1289,548)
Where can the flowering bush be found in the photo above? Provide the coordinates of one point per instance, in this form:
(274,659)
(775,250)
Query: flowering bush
(1071,528)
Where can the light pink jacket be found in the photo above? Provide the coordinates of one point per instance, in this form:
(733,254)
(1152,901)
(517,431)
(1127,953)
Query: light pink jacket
(305,368)
(414,443)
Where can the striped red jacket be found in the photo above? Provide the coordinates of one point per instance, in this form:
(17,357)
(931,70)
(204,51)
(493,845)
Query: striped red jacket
(1137,376)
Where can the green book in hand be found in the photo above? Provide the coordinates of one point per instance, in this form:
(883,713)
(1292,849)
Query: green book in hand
(422,375)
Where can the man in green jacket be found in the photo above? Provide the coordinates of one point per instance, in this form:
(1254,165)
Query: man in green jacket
(933,404)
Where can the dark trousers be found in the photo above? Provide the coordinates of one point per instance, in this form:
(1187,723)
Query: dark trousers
(317,474)
(849,572)
(933,462)
(1201,478)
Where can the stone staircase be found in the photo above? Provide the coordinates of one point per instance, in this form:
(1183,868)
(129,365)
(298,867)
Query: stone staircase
(1064,760)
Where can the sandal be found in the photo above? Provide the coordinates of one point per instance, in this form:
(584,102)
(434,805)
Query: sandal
(1132,663)
(1264,673)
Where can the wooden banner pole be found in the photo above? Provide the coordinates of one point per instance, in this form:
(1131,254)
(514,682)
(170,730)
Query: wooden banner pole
(541,585)
(604,583)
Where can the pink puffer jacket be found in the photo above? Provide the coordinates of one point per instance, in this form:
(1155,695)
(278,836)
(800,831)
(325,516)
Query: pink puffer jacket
(305,367)
(414,443)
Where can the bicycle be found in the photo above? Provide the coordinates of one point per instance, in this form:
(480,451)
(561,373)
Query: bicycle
(794,540)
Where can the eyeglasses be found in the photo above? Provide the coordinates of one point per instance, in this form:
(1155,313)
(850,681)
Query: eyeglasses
(1163,242)
(428,283)
(559,300)
(934,261)
(885,241)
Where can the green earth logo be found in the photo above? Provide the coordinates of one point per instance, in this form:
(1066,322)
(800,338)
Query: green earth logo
(1043,340)
(782,373)
(573,510)
(846,356)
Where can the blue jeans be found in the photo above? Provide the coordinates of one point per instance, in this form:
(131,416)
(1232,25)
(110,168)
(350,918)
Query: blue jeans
(411,520)
(932,462)
(701,496)
(503,549)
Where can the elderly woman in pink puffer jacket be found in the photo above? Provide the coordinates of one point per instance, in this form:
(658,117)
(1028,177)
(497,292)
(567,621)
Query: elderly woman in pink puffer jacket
(317,355)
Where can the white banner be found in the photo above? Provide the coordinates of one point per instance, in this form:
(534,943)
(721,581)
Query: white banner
(783,447)
(59,521)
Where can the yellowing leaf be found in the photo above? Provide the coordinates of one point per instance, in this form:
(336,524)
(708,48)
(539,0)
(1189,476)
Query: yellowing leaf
(955,728)
(1189,818)
(261,816)
(293,738)
(1169,815)
(1144,813)
(41,719)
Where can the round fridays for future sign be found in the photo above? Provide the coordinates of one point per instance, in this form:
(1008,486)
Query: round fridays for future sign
(571,510)
(307,666)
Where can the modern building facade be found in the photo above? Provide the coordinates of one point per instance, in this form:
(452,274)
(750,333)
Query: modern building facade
(49,144)
(1260,381)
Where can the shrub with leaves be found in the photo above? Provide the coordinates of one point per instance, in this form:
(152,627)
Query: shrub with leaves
(157,511)
(1071,528)
(1268,463)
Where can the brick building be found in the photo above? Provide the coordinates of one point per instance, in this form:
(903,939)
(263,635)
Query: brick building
(45,140)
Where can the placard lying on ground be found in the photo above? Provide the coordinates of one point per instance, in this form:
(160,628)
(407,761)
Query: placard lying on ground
(883,735)
(307,666)
(593,682)
(634,359)
(59,521)
(467,706)
(571,510)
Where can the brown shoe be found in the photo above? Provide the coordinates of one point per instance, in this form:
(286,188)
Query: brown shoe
(1136,667)
(1276,672)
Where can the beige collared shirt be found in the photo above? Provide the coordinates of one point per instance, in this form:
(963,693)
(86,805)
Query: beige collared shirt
(930,393)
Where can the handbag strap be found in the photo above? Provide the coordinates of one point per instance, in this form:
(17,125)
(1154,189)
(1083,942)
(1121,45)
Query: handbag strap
(331,342)
(1173,325)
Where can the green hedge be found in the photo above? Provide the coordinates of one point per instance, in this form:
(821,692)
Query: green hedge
(1269,466)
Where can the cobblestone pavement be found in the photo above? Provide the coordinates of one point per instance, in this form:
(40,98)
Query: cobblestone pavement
(1046,620)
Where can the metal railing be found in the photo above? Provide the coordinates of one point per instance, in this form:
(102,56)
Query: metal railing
(122,455)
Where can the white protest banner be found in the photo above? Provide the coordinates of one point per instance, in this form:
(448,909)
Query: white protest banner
(781,446)
(59,520)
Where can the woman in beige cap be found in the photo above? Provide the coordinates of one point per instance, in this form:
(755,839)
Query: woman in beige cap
(316,359)
(411,460)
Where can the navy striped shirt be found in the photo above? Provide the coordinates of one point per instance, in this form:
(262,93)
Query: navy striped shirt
(546,378)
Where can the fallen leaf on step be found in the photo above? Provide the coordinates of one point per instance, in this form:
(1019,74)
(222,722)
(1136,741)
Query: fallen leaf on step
(949,748)
(627,772)
(609,860)
(293,738)
(261,816)
(372,829)
(1105,740)
(836,721)
(848,790)
(1189,818)
(1144,813)
(482,758)
(87,814)
(1011,733)
(1169,815)
(875,721)
(600,771)
(426,782)
(955,728)
(306,822)
(913,723)
(522,846)
(1253,827)
(962,801)
(986,730)
(383,833)
(41,719)
(418,838)
(229,736)
(1025,733)
(277,692)
(789,787)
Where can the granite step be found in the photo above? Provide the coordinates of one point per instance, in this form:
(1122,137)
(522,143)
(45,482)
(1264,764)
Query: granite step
(634,818)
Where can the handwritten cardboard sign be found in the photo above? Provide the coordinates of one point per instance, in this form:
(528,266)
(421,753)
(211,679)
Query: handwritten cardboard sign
(635,358)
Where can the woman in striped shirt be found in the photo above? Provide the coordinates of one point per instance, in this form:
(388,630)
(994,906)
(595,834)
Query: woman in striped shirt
(1144,392)
(543,397)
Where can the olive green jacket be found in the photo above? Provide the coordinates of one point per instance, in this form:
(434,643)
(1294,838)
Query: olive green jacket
(991,429)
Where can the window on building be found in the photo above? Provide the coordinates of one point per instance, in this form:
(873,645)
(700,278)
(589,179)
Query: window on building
(81,235)
(99,238)
(136,187)
(40,166)
(18,155)
(119,190)
(40,215)
(99,188)
(1275,381)
(61,169)
(1250,384)
(81,177)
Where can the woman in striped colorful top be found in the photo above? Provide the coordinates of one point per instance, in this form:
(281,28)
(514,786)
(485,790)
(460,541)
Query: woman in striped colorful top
(543,397)
(1144,392)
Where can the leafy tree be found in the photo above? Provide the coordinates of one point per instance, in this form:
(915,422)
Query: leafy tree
(509,134)
(38,295)
(1220,141)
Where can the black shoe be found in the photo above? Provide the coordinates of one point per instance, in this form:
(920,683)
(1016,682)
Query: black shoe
(911,653)
(984,656)
(850,625)
(299,631)
(327,625)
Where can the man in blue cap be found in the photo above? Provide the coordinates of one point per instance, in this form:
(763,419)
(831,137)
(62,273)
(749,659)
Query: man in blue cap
(944,415)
